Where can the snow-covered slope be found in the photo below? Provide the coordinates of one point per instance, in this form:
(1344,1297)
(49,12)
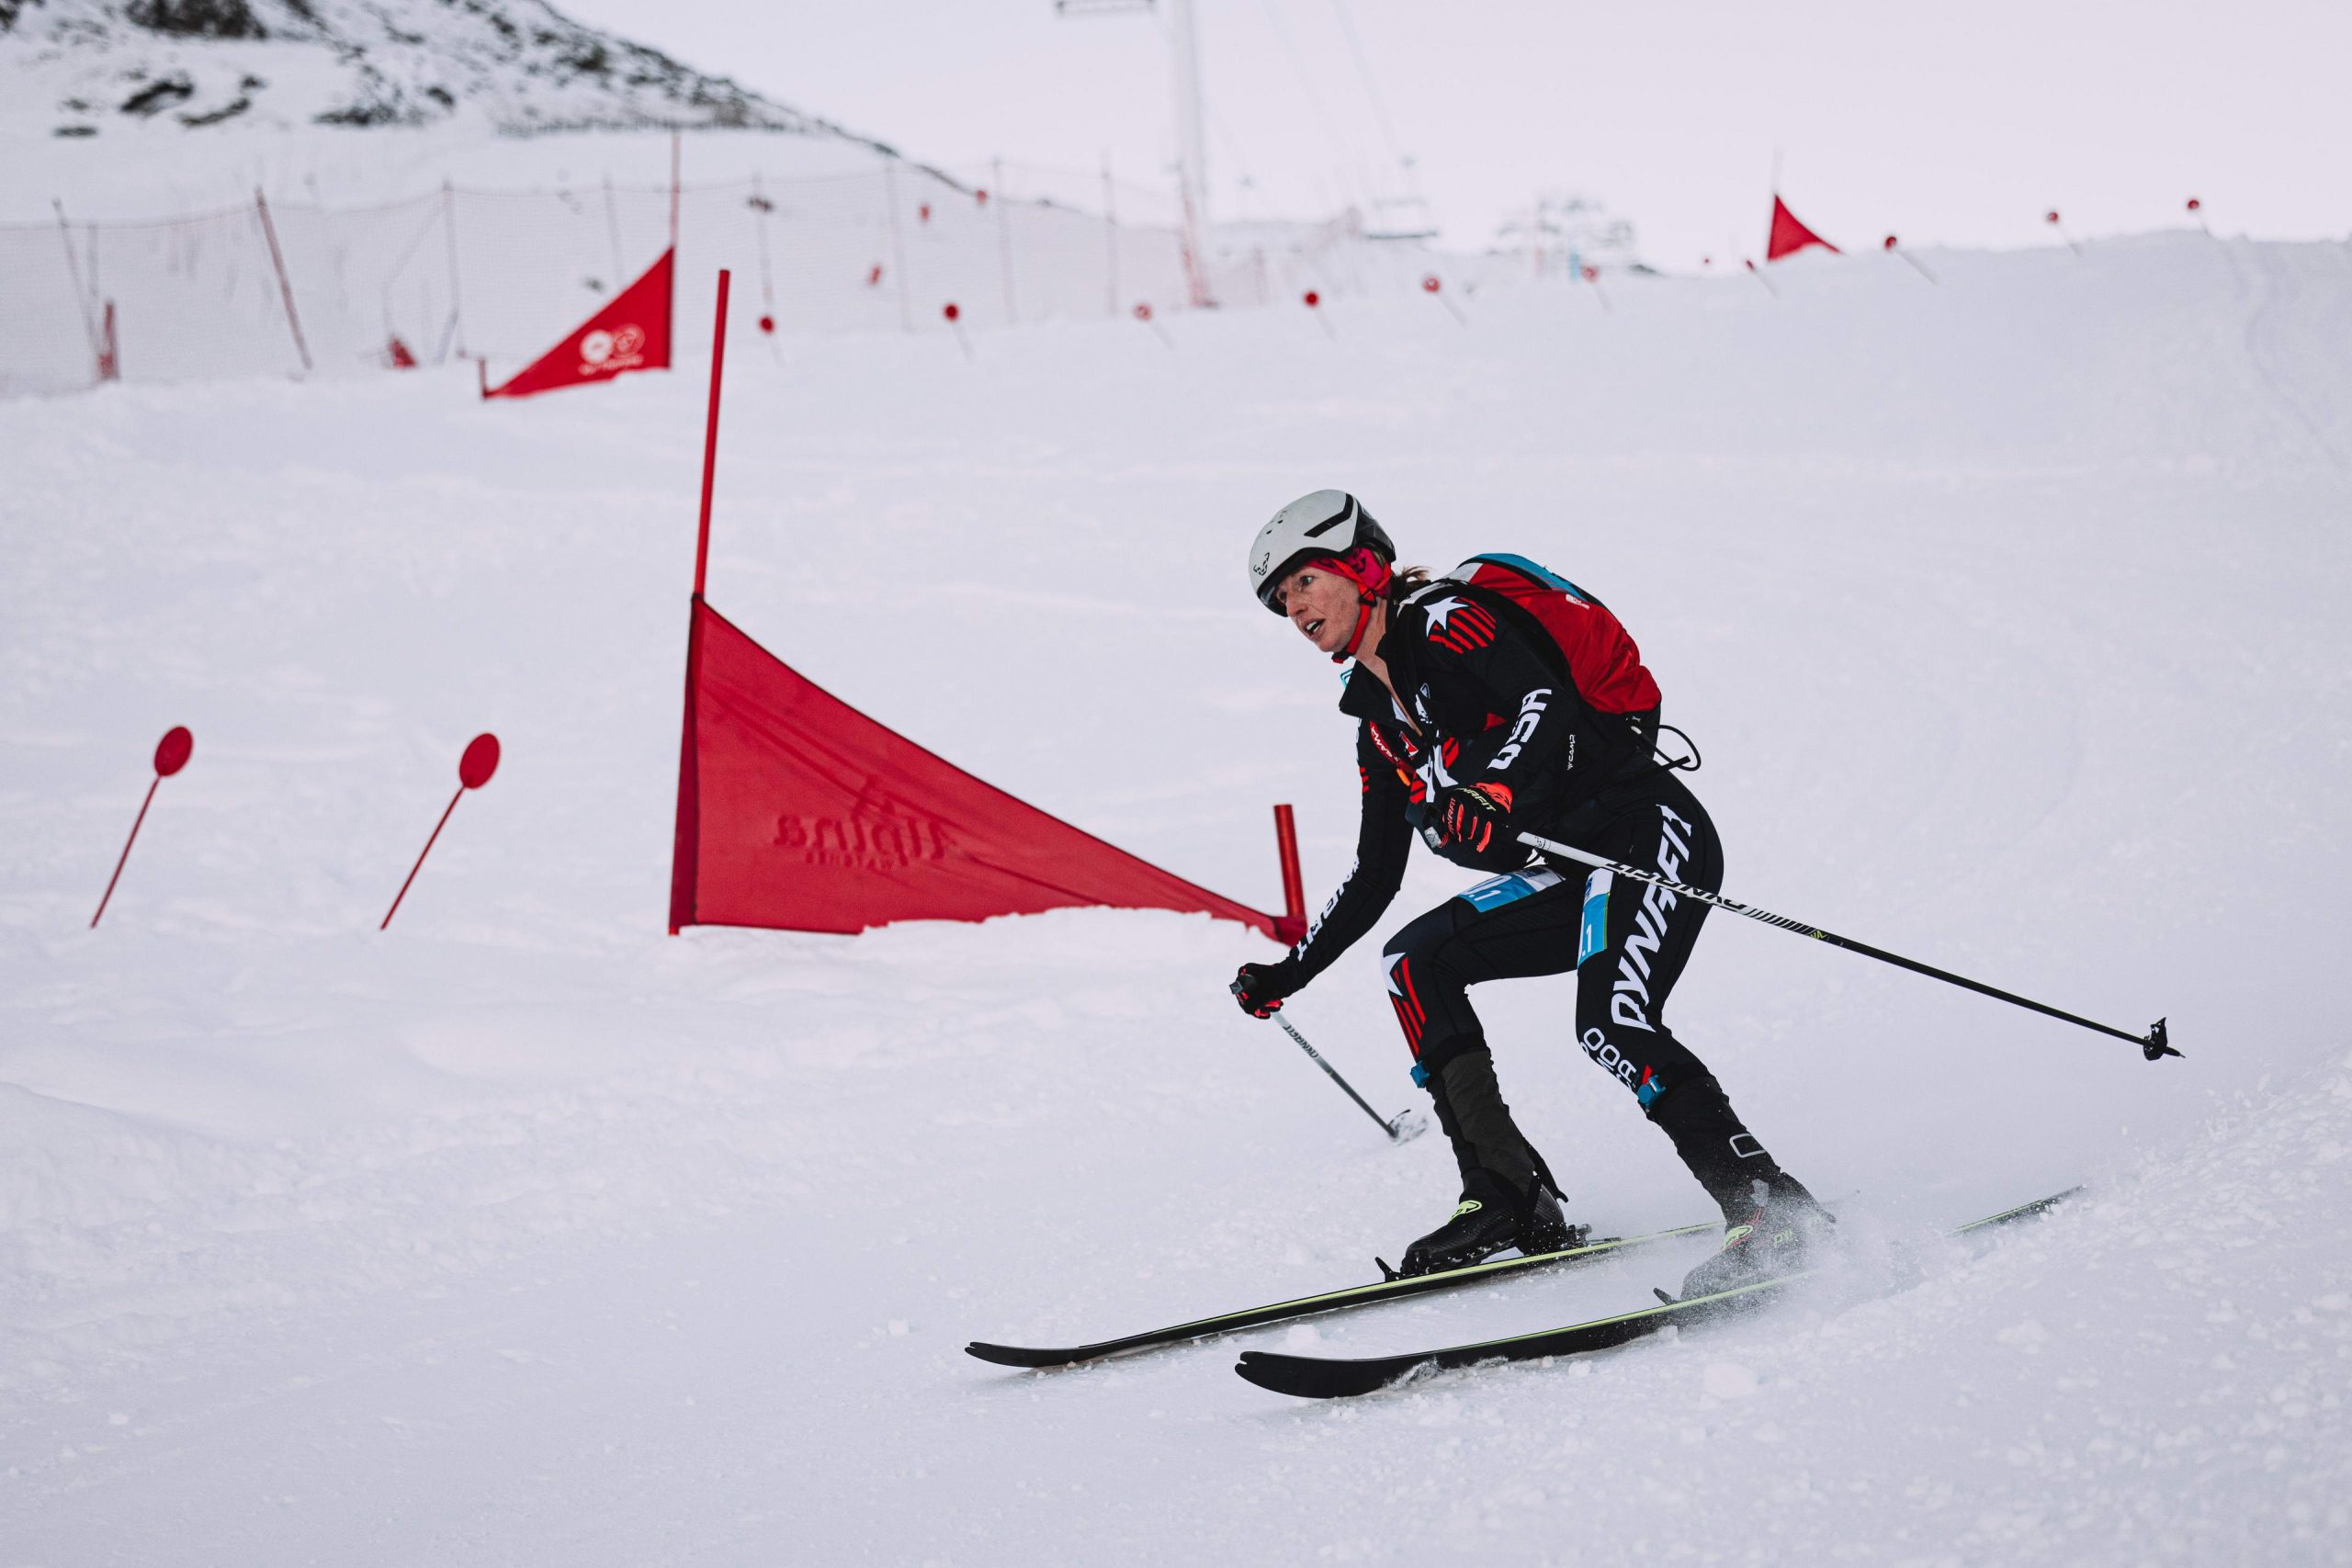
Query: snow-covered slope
(88,67)
(2008,613)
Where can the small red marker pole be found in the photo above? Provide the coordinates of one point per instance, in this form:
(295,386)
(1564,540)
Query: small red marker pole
(1431,286)
(1143,315)
(474,769)
(1917,265)
(1758,272)
(2197,210)
(171,753)
(954,314)
(1314,302)
(2053,219)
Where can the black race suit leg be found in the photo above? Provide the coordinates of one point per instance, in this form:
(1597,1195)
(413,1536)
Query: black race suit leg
(1504,928)
(1632,940)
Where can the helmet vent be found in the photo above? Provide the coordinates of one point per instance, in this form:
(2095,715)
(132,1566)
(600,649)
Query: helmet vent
(1334,520)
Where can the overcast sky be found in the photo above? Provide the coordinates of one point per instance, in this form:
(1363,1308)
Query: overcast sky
(1949,123)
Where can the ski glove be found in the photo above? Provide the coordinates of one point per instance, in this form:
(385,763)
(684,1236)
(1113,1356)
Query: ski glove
(1261,988)
(1473,814)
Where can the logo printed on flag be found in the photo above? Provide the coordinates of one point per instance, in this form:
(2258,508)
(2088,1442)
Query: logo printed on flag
(631,332)
(863,842)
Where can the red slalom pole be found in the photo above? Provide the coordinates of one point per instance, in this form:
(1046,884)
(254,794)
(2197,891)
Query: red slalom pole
(710,429)
(171,753)
(1292,927)
(474,769)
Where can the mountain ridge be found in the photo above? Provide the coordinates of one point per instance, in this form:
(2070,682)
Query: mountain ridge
(520,64)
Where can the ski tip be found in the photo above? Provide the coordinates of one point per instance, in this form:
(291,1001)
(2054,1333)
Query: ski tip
(1017,1354)
(1665,1300)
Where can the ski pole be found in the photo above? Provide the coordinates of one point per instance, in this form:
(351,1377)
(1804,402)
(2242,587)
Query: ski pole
(2153,1044)
(1391,1128)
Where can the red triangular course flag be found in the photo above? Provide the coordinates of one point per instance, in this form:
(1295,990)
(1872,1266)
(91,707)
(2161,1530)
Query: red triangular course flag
(797,812)
(1790,236)
(631,332)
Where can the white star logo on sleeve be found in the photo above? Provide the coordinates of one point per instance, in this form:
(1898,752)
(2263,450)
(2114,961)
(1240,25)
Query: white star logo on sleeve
(1439,611)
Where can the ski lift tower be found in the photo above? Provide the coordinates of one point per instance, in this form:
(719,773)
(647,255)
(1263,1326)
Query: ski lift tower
(1192,160)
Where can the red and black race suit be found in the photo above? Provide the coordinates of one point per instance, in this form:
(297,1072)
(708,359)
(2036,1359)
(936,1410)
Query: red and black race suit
(1492,703)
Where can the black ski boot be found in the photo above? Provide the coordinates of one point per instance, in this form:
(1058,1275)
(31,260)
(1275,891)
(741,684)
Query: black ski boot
(1509,1198)
(1489,1219)
(1780,1233)
(1770,1222)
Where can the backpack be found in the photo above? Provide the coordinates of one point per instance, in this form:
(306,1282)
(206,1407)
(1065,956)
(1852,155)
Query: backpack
(1602,662)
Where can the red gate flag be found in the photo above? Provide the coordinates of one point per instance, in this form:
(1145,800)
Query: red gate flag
(1790,236)
(631,332)
(797,812)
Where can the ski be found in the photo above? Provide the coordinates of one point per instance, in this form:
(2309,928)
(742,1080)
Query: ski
(1320,1377)
(1395,1288)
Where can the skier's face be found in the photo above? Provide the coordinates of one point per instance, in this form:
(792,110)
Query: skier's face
(1322,605)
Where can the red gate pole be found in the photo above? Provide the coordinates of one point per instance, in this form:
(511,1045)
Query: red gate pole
(1293,921)
(285,288)
(710,430)
(686,835)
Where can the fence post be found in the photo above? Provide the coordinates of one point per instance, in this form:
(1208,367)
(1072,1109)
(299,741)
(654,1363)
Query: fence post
(1110,243)
(74,267)
(449,224)
(677,157)
(1005,241)
(285,287)
(898,240)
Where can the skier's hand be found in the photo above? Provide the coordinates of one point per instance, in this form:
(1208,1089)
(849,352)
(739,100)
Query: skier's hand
(1473,814)
(1261,988)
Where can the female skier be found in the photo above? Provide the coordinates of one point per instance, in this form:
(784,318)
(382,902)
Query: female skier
(1500,700)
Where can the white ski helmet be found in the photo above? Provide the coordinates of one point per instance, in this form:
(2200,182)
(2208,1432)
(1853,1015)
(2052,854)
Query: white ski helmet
(1321,522)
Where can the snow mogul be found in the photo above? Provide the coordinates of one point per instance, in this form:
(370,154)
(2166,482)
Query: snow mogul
(1497,700)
